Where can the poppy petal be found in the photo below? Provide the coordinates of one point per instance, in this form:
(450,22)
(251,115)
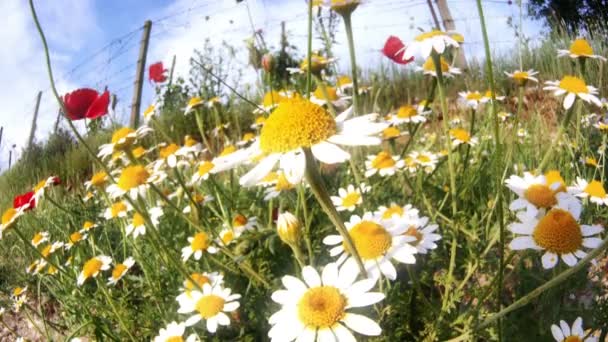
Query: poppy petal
(156,72)
(395,50)
(78,102)
(99,107)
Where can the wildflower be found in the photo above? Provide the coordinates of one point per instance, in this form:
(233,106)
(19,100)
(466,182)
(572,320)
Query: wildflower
(122,139)
(522,77)
(269,101)
(344,82)
(93,266)
(563,332)
(209,305)
(242,223)
(289,228)
(8,218)
(427,42)
(247,138)
(487,97)
(40,188)
(580,48)
(98,180)
(392,132)
(193,103)
(590,161)
(593,190)
(317,308)
(573,86)
(191,146)
(394,49)
(426,160)
(173,332)
(118,209)
(156,73)
(377,243)
(203,171)
(319,97)
(39,238)
(318,64)
(133,180)
(471,99)
(75,238)
(408,114)
(226,236)
(120,270)
(25,202)
(558,233)
(503,116)
(396,212)
(424,234)
(349,198)
(343,7)
(383,163)
(88,225)
(50,249)
(277,182)
(199,243)
(540,192)
(199,200)
(150,112)
(297,124)
(86,103)
(428,68)
(461,136)
(137,226)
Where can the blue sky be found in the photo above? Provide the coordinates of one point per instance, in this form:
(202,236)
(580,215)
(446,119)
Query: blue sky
(78,30)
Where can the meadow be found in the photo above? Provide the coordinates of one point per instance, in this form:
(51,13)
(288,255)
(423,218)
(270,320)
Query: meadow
(409,201)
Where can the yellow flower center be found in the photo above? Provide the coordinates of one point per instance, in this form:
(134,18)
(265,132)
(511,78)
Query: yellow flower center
(581,47)
(37,238)
(390,132)
(591,161)
(540,195)
(209,305)
(133,176)
(227,237)
(520,75)
(138,220)
(46,251)
(75,237)
(429,65)
(199,279)
(260,120)
(88,225)
(552,177)
(149,111)
(474,96)
(200,242)
(412,231)
(189,141)
(91,267)
(460,134)
(558,232)
(423,158)
(227,150)
(406,112)
(344,80)
(392,210)
(99,179)
(321,307)
(595,189)
(351,199)
(573,339)
(239,220)
(283,183)
(8,215)
(123,137)
(271,98)
(205,167)
(40,185)
(118,208)
(573,84)
(168,150)
(370,239)
(138,152)
(195,101)
(118,271)
(430,34)
(332,94)
(174,339)
(383,160)
(18,291)
(248,136)
(294,124)
(317,62)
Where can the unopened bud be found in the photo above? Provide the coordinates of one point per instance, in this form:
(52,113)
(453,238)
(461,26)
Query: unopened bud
(289,228)
(267,62)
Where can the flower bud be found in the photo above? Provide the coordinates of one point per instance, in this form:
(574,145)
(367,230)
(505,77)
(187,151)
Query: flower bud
(289,228)
(267,62)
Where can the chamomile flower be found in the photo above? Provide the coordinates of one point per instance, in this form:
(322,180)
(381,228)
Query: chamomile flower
(275,182)
(461,136)
(167,155)
(118,209)
(8,218)
(395,212)
(241,223)
(383,163)
(318,308)
(88,225)
(318,64)
(210,305)
(269,101)
(151,112)
(199,200)
(193,103)
(572,87)
(120,270)
(504,116)
(392,132)
(424,233)
(298,124)
(191,147)
(174,332)
(471,99)
(197,280)
(408,114)
(487,97)
(428,68)
(39,238)
(137,226)
(75,238)
(203,170)
(426,160)
(564,333)
(540,192)
(98,180)
(133,180)
(377,244)
(425,43)
(344,83)
(558,233)
(93,267)
(248,137)
(521,77)
(258,122)
(593,190)
(580,48)
(349,198)
(122,139)
(319,97)
(199,243)
(226,236)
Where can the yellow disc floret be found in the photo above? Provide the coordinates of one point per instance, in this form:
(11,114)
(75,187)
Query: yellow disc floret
(392,211)
(91,267)
(321,307)
(558,232)
(383,160)
(595,189)
(168,150)
(573,84)
(210,305)
(118,271)
(351,199)
(123,138)
(200,242)
(133,176)
(540,195)
(429,65)
(428,35)
(581,47)
(296,123)
(370,239)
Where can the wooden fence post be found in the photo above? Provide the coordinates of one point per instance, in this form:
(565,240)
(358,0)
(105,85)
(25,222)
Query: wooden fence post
(34,119)
(139,76)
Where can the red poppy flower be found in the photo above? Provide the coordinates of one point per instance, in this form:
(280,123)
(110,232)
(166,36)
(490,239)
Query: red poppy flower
(395,49)
(26,201)
(156,73)
(86,103)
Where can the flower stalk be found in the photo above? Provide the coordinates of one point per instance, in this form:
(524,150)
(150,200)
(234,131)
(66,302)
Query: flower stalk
(353,62)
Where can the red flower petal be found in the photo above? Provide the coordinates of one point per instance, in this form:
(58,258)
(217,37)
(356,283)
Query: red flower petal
(395,50)
(26,201)
(78,102)
(99,107)
(156,73)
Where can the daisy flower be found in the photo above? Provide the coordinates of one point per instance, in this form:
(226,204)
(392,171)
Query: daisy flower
(408,114)
(540,192)
(392,132)
(428,68)
(503,116)
(377,244)
(289,228)
(197,280)
(93,266)
(202,172)
(522,77)
(573,86)
(8,218)
(318,308)
(98,180)
(318,97)
(241,223)
(563,332)
(343,83)
(88,225)
(318,63)
(210,305)
(191,146)
(258,122)
(461,136)
(558,233)
(118,209)
(122,139)
(349,198)
(39,238)
(247,138)
(427,160)
(133,180)
(226,236)
(193,103)
(120,270)
(427,42)
(593,190)
(471,99)
(137,226)
(75,238)
(174,332)
(150,112)
(276,183)
(297,124)
(269,101)
(580,48)
(383,163)
(424,234)
(487,97)
(395,212)
(199,243)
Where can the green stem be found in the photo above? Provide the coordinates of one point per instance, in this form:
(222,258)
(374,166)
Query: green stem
(113,307)
(353,62)
(309,52)
(551,147)
(297,253)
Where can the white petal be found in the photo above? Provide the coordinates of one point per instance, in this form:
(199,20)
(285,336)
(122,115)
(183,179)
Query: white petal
(365,299)
(591,230)
(222,319)
(354,140)
(330,274)
(325,335)
(311,276)
(388,269)
(523,242)
(557,333)
(329,153)
(549,260)
(307,335)
(592,242)
(294,285)
(343,334)
(565,328)
(212,325)
(569,100)
(348,273)
(259,171)
(332,240)
(362,324)
(577,327)
(569,259)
